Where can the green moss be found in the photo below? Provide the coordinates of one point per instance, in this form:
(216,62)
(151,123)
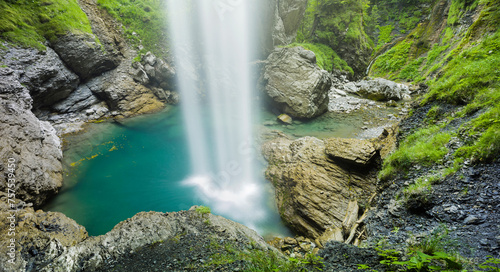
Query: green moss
(144,21)
(469,72)
(29,24)
(392,61)
(326,58)
(426,146)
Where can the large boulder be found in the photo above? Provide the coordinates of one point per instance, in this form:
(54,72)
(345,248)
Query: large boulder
(84,55)
(379,89)
(295,84)
(30,146)
(315,189)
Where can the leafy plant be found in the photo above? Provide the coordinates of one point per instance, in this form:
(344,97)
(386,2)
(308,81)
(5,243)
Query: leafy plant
(491,264)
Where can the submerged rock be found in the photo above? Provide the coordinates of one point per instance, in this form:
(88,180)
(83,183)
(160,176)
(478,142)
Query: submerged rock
(285,118)
(295,84)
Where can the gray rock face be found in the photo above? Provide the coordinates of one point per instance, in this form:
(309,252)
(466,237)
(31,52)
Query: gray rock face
(294,82)
(287,18)
(379,89)
(84,56)
(12,90)
(32,144)
(66,247)
(313,191)
(43,73)
(154,71)
(48,79)
(82,98)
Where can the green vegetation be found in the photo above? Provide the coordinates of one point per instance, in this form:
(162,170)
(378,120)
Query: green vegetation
(144,22)
(417,194)
(469,78)
(259,260)
(203,210)
(393,60)
(458,9)
(427,146)
(326,58)
(491,264)
(384,36)
(29,24)
(336,24)
(436,252)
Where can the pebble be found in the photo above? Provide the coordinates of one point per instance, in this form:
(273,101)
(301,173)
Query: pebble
(472,220)
(484,242)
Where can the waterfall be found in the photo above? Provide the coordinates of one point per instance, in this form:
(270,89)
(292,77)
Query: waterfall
(212,46)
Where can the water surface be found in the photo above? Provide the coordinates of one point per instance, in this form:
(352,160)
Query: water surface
(115,170)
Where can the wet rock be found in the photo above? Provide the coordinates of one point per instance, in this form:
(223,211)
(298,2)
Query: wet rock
(153,71)
(295,85)
(140,75)
(127,96)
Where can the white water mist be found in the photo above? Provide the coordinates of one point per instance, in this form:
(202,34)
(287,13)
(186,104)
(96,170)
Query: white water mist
(212,51)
